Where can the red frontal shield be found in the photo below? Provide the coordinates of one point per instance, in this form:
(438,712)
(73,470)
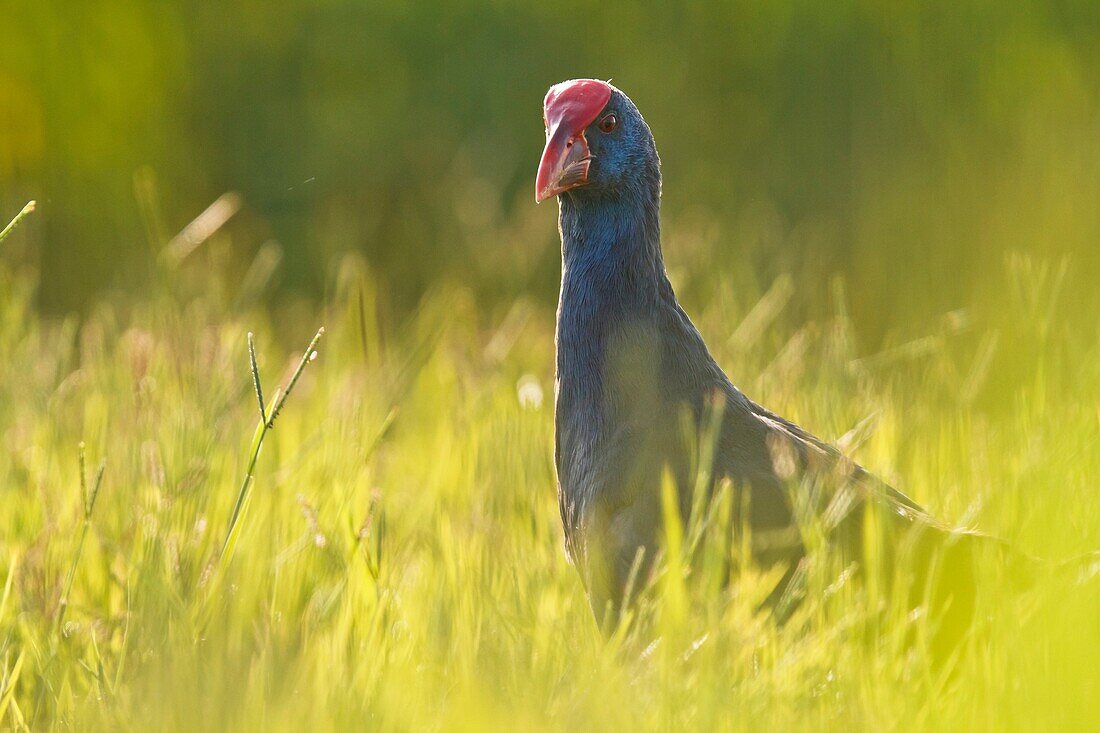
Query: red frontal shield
(570,107)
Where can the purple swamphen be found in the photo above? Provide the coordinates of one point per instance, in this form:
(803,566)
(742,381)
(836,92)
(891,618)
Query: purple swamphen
(631,367)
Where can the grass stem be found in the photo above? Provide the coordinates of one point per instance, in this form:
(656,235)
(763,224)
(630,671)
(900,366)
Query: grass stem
(266,423)
(87,505)
(29,208)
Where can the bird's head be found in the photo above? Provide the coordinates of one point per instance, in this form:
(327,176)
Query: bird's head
(596,142)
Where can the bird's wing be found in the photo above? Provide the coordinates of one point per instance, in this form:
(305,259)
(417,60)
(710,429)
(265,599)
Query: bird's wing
(829,458)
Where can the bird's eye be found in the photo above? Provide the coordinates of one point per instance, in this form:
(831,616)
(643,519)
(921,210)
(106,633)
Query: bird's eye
(608,123)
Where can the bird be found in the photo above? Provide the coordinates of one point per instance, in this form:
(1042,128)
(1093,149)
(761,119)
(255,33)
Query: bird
(632,369)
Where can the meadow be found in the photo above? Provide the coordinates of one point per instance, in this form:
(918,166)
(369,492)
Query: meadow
(397,562)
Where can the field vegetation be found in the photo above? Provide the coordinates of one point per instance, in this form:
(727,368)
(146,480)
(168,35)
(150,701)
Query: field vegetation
(386,550)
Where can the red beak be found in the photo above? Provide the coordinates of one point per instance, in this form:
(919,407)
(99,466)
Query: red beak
(570,107)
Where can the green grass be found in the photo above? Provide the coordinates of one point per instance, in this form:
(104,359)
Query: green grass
(400,564)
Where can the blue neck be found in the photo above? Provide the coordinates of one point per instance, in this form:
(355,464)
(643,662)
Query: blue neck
(612,271)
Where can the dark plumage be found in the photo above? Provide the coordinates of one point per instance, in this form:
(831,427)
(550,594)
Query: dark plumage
(631,365)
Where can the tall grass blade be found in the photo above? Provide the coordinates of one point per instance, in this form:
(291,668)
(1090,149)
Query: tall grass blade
(87,505)
(266,423)
(28,209)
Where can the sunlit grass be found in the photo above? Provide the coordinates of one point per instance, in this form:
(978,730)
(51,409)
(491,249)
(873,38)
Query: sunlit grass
(401,561)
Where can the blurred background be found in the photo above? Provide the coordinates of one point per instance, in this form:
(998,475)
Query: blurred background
(913,149)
